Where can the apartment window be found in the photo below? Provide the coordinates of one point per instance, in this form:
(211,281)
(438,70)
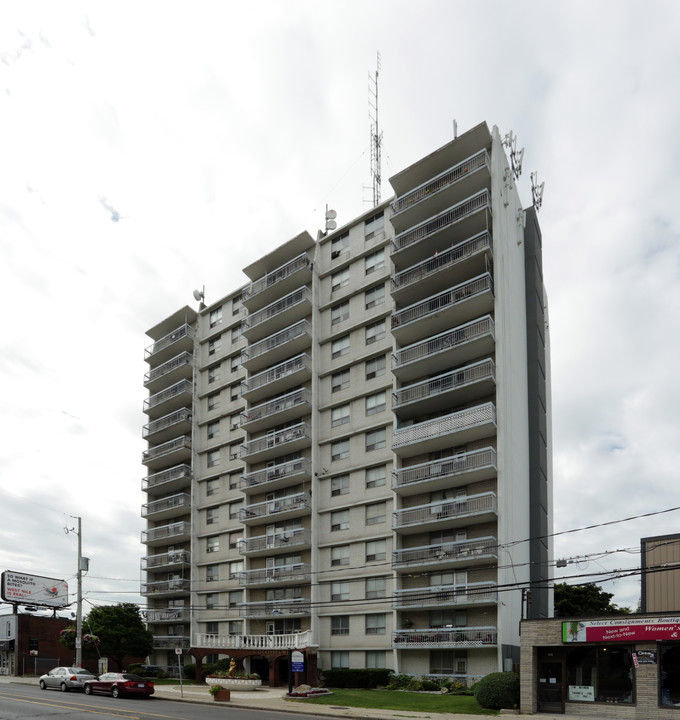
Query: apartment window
(212,515)
(374,226)
(212,628)
(374,261)
(213,429)
(447,618)
(214,346)
(376,550)
(340,485)
(339,415)
(235,538)
(211,487)
(340,625)
(375,367)
(339,380)
(235,363)
(213,458)
(340,312)
(234,509)
(339,659)
(375,296)
(376,403)
(375,659)
(340,520)
(211,600)
(213,373)
(234,597)
(340,449)
(235,627)
(235,421)
(448,662)
(339,591)
(236,305)
(212,544)
(234,481)
(340,347)
(375,513)
(213,401)
(235,334)
(339,246)
(339,279)
(215,317)
(375,624)
(212,573)
(376,439)
(235,568)
(339,555)
(234,451)
(235,391)
(376,331)
(375,477)
(376,587)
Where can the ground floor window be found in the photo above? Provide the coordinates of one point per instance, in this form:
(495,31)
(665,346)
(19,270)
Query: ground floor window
(600,674)
(448,662)
(669,674)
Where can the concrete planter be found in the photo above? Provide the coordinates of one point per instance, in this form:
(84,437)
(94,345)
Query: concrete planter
(222,696)
(237,684)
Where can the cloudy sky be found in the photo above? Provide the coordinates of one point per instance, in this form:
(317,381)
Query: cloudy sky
(150,148)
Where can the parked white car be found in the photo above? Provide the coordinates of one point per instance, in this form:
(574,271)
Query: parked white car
(65,678)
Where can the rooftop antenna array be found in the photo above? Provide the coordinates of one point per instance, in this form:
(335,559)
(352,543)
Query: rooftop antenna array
(516,156)
(376,135)
(536,191)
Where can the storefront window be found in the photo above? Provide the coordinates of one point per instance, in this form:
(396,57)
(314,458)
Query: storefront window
(670,674)
(600,674)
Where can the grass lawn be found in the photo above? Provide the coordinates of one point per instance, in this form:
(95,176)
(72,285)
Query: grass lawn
(397,700)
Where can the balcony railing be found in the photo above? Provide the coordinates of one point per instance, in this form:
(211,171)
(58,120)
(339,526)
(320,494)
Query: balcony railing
(449,217)
(166,422)
(168,642)
(184,331)
(175,363)
(276,441)
(291,401)
(180,388)
(159,451)
(167,615)
(279,506)
(174,502)
(166,586)
(176,558)
(166,532)
(300,329)
(463,637)
(445,179)
(298,572)
(442,511)
(276,276)
(459,550)
(443,468)
(275,608)
(434,595)
(170,479)
(295,641)
(301,295)
(277,373)
(276,474)
(275,541)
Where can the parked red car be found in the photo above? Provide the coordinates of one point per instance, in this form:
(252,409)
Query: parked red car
(119,684)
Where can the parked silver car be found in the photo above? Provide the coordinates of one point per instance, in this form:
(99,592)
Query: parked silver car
(65,678)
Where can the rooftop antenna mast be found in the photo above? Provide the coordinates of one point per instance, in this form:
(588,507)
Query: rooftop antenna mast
(376,135)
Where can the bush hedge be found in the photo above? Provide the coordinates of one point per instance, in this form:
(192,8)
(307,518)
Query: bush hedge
(356,678)
(498,690)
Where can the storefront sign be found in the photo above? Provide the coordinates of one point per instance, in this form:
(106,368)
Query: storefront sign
(644,657)
(620,630)
(583,693)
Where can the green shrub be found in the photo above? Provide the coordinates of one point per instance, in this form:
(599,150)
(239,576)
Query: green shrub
(398,682)
(498,690)
(414,685)
(355,678)
(430,685)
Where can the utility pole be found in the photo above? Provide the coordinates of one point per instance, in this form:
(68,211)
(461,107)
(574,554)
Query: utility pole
(79,600)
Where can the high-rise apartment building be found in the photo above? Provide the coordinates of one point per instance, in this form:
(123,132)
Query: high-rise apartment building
(350,454)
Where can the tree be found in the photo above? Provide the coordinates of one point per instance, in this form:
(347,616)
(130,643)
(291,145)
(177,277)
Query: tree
(584,600)
(120,631)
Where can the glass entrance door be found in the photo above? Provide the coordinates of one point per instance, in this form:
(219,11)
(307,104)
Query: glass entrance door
(550,680)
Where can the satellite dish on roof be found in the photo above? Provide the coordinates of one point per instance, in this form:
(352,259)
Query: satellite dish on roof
(199,295)
(331,214)
(331,224)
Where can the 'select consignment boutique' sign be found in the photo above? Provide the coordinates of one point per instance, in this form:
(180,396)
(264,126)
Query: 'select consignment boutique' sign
(20,589)
(631,629)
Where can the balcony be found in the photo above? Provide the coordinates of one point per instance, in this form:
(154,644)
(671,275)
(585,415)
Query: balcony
(279,315)
(178,586)
(281,409)
(168,642)
(292,439)
(458,512)
(444,269)
(295,641)
(172,398)
(455,346)
(173,451)
(266,289)
(275,608)
(447,472)
(283,508)
(451,389)
(166,561)
(281,377)
(439,312)
(459,637)
(467,218)
(169,426)
(480,551)
(277,476)
(167,507)
(169,372)
(276,347)
(169,615)
(459,596)
(281,575)
(167,481)
(179,340)
(167,534)
(300,539)
(458,428)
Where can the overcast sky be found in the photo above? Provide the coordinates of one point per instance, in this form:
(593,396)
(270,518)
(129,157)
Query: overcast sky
(150,148)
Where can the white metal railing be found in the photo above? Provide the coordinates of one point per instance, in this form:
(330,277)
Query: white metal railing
(183,386)
(461,420)
(455,550)
(180,500)
(167,367)
(178,416)
(443,300)
(444,467)
(303,327)
(178,472)
(461,594)
(277,405)
(273,507)
(297,572)
(276,472)
(276,541)
(445,341)
(446,637)
(173,530)
(280,438)
(301,295)
(275,373)
(257,286)
(179,443)
(167,615)
(176,557)
(484,370)
(167,642)
(181,332)
(444,510)
(442,261)
(296,641)
(275,608)
(165,586)
(454,214)
(443,180)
